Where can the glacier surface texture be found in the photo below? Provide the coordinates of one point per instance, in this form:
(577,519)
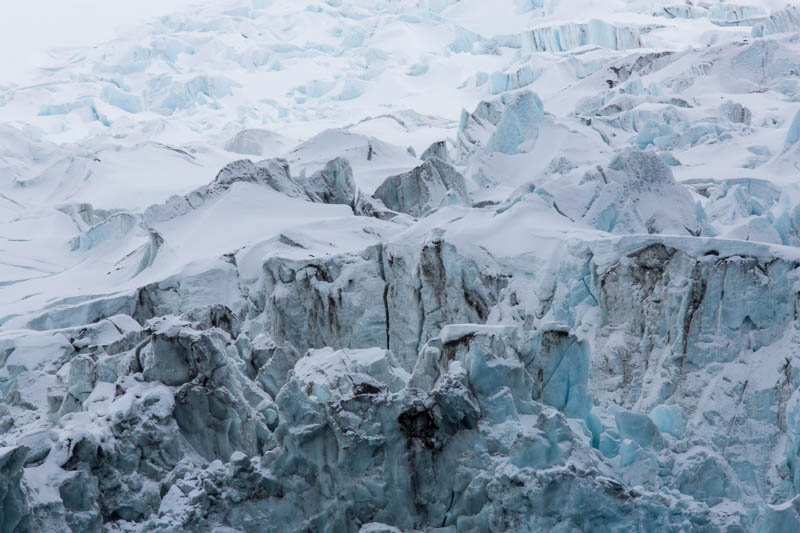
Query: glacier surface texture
(406,265)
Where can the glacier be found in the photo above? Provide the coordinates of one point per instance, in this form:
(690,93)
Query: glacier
(233,298)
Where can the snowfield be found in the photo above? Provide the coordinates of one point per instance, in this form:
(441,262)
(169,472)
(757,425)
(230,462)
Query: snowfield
(409,265)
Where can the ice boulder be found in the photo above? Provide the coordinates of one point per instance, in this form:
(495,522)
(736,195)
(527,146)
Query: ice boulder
(421,191)
(735,112)
(123,100)
(562,369)
(172,95)
(437,149)
(636,193)
(475,129)
(319,301)
(518,124)
(669,419)
(177,354)
(653,132)
(501,82)
(340,374)
(496,375)
(334,184)
(14,512)
(639,428)
(215,405)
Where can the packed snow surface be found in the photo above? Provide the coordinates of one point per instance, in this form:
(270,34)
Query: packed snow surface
(408,265)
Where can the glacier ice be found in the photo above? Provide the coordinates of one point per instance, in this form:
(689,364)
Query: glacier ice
(635,193)
(793,135)
(784,20)
(576,311)
(438,150)
(431,185)
(500,82)
(517,123)
(257,142)
(736,112)
(569,36)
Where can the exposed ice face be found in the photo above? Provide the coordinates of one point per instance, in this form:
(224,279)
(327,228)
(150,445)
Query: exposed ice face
(576,310)
(793,135)
(565,37)
(517,124)
(492,391)
(432,185)
(785,20)
(14,515)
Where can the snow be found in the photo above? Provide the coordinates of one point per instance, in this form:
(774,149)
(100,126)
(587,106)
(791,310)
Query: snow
(232,295)
(32,28)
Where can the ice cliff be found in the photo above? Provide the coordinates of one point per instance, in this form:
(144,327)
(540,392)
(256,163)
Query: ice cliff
(234,299)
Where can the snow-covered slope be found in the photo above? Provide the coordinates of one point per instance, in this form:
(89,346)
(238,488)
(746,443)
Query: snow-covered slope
(439,265)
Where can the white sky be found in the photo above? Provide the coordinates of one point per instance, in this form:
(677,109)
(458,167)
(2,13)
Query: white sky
(29,27)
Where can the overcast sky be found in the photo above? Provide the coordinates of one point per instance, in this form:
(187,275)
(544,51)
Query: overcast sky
(29,27)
